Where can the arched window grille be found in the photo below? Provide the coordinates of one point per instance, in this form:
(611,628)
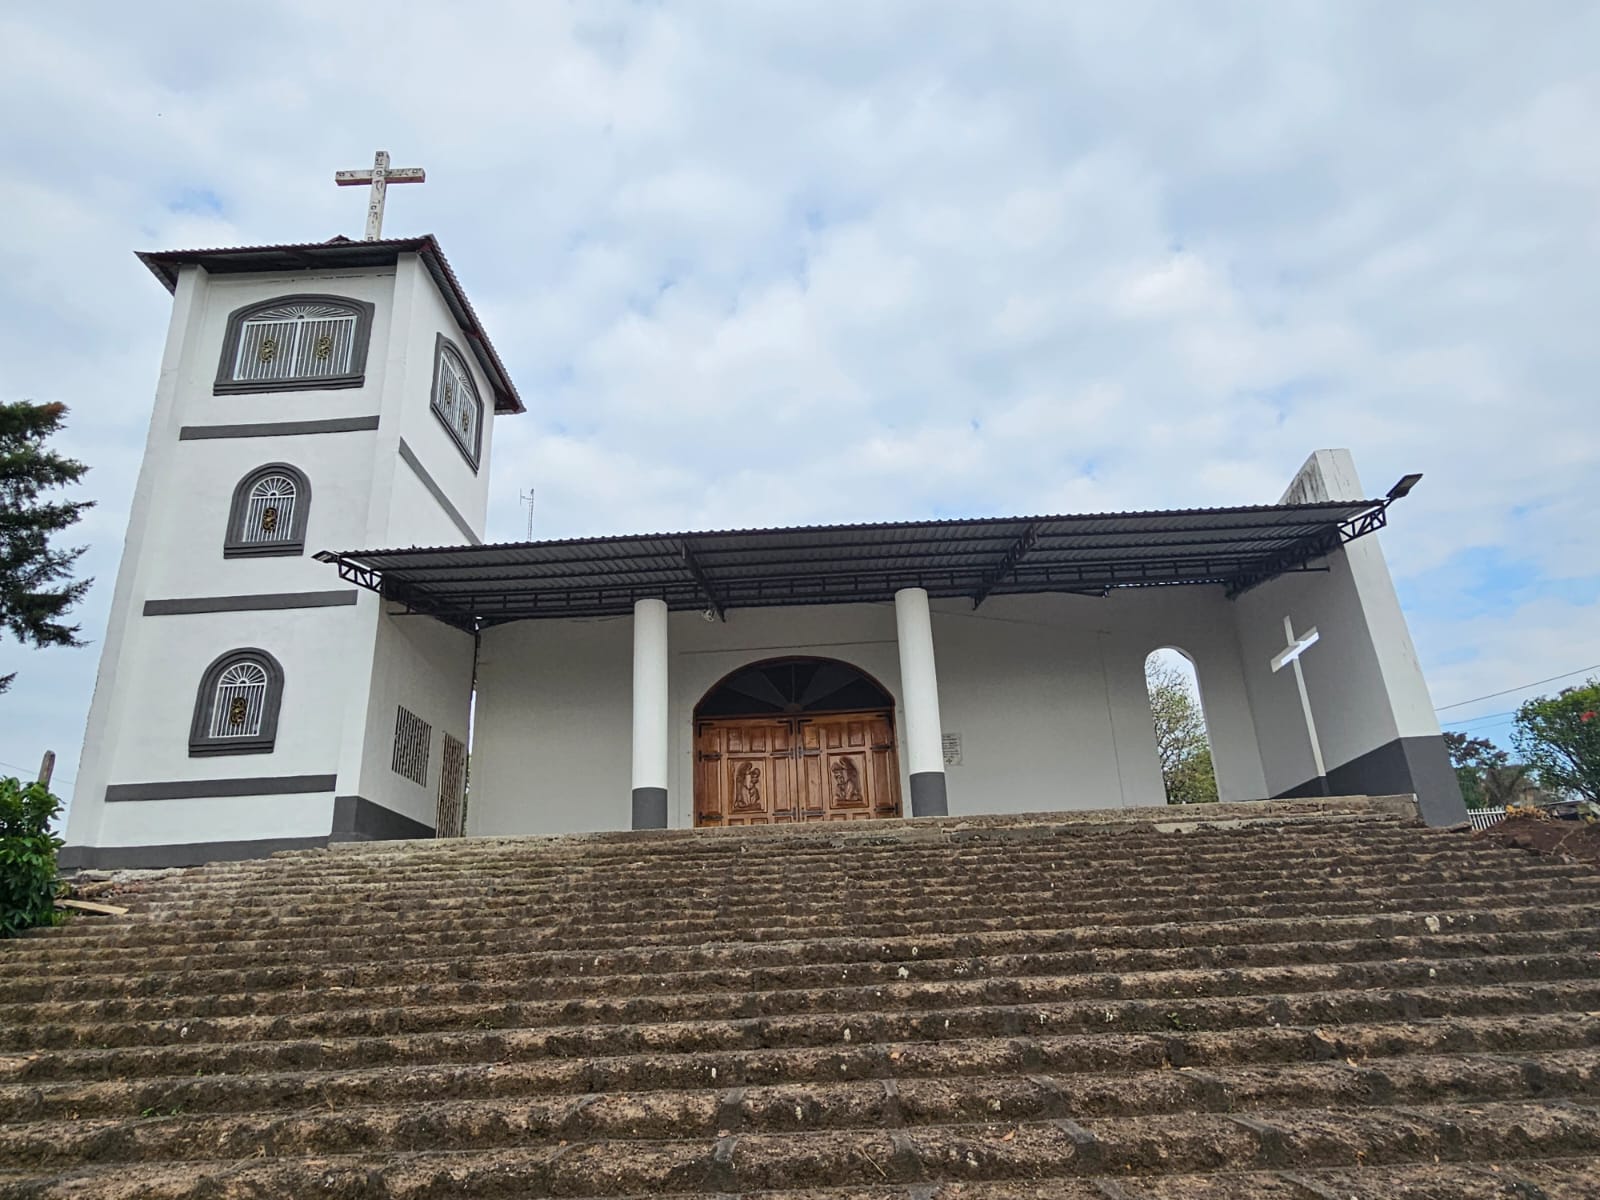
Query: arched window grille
(295,342)
(268,514)
(236,707)
(240,702)
(456,401)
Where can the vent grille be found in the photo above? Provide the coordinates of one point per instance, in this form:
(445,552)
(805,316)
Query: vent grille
(412,737)
(452,788)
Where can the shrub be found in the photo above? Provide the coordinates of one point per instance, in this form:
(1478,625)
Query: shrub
(27,856)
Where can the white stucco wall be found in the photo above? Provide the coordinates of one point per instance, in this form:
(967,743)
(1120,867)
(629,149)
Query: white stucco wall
(1047,693)
(405,512)
(1363,679)
(427,667)
(151,665)
(345,668)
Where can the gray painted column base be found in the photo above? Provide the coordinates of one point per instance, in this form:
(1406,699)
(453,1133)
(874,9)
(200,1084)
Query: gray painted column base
(649,808)
(928,797)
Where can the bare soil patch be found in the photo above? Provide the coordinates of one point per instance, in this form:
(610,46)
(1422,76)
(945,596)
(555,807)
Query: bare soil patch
(1574,839)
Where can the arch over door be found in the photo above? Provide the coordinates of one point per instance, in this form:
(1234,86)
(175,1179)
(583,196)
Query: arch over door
(795,739)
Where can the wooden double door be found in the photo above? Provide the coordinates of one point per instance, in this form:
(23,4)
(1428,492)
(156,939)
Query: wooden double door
(772,770)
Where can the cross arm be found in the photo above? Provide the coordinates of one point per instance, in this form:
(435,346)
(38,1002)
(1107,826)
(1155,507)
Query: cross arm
(392,175)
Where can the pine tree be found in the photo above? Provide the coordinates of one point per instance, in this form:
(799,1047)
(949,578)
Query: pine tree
(36,584)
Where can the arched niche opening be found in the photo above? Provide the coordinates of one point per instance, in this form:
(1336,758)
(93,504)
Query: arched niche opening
(1183,739)
(792,686)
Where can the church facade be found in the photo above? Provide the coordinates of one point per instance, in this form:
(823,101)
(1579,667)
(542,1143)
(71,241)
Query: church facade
(270,681)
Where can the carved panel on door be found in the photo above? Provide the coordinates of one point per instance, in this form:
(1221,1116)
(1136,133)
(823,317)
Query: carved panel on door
(758,771)
(744,772)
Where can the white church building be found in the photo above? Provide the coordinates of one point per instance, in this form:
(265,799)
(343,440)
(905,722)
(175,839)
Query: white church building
(309,641)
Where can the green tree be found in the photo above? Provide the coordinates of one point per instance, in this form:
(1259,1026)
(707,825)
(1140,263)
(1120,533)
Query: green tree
(36,585)
(27,856)
(1560,737)
(1181,742)
(1488,777)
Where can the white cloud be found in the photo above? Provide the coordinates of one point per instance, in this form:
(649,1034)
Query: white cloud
(755,263)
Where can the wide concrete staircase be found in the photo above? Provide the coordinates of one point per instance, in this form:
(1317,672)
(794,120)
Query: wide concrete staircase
(1292,1000)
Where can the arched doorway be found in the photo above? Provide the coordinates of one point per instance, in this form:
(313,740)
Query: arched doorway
(1183,738)
(795,739)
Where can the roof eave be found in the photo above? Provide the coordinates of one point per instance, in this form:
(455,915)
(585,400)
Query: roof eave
(165,265)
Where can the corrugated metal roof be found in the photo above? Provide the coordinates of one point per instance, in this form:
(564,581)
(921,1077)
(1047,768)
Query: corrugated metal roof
(835,564)
(343,252)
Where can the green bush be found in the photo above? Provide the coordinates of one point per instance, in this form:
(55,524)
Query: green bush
(27,856)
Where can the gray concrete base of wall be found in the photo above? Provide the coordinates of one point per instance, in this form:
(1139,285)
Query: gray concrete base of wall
(187,854)
(355,819)
(1419,765)
(649,808)
(928,798)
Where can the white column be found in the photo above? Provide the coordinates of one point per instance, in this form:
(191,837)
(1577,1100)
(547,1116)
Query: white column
(650,750)
(919,687)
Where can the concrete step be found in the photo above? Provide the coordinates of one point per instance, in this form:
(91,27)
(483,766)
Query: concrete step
(1282,1001)
(565,973)
(409,1012)
(547,977)
(998,1151)
(392,1037)
(400,1122)
(1055,910)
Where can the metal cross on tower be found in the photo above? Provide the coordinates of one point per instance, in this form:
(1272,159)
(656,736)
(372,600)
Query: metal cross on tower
(1289,656)
(381,175)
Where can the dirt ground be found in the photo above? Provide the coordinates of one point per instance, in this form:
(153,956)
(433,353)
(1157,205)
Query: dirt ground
(1575,839)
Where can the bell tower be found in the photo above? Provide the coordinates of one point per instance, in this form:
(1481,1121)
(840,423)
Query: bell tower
(312,397)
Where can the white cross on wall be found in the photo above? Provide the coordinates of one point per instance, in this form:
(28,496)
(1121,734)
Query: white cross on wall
(379,177)
(1289,656)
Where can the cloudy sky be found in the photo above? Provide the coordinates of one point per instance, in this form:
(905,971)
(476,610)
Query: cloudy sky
(829,261)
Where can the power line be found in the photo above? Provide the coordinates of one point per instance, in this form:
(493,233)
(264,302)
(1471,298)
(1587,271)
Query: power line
(30,772)
(1486,718)
(1522,688)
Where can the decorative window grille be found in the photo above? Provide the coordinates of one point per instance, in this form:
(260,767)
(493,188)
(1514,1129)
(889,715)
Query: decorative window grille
(412,738)
(236,705)
(452,788)
(241,701)
(269,512)
(296,341)
(455,400)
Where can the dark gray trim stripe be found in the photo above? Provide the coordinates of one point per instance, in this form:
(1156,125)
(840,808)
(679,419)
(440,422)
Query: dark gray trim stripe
(437,492)
(649,808)
(1416,765)
(188,789)
(265,602)
(357,819)
(190,854)
(194,433)
(928,797)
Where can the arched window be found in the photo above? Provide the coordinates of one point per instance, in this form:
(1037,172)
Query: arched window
(455,399)
(294,342)
(1183,739)
(268,514)
(236,707)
